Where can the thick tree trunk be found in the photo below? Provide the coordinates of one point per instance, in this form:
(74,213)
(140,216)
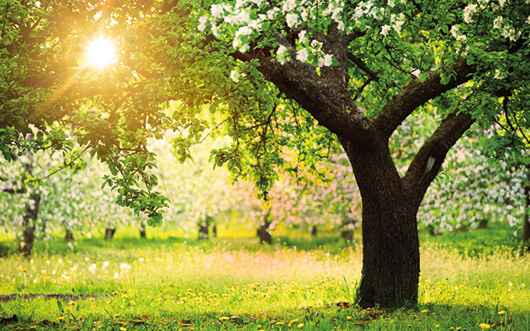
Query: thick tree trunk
(391,255)
(109,233)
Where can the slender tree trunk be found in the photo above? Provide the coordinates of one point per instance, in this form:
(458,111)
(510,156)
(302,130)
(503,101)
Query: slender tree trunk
(109,233)
(68,236)
(314,231)
(347,229)
(204,229)
(143,232)
(263,232)
(28,223)
(526,227)
(214,231)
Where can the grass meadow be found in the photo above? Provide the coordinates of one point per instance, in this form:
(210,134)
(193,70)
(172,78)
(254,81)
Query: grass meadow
(468,282)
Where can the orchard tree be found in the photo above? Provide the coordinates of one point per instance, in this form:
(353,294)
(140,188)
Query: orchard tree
(293,73)
(329,199)
(360,69)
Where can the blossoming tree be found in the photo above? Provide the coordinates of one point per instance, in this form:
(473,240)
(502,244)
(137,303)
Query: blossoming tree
(361,68)
(294,73)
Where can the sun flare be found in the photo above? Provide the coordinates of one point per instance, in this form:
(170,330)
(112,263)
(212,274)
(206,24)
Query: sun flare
(101,53)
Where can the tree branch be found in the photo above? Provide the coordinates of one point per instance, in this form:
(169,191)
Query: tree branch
(416,93)
(361,65)
(329,104)
(425,166)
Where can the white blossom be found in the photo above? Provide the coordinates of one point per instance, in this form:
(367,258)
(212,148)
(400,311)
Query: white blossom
(328,59)
(292,19)
(301,37)
(397,21)
(202,21)
(385,29)
(234,75)
(289,5)
(302,55)
(468,13)
(217,11)
(456,34)
(244,31)
(282,49)
(497,23)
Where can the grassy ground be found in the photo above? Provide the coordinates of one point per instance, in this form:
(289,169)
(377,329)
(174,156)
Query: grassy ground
(468,282)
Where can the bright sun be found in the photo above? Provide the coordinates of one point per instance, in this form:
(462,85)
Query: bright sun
(101,53)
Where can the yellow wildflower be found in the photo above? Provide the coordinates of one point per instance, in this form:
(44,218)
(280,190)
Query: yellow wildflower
(301,325)
(484,326)
(502,312)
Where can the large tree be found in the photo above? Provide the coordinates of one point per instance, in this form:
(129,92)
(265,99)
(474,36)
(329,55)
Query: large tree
(290,73)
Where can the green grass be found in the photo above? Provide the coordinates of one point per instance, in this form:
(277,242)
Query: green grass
(237,284)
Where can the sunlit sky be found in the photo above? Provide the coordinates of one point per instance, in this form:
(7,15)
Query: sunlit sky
(101,52)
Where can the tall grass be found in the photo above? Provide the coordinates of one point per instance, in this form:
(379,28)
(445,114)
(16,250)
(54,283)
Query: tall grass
(224,285)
